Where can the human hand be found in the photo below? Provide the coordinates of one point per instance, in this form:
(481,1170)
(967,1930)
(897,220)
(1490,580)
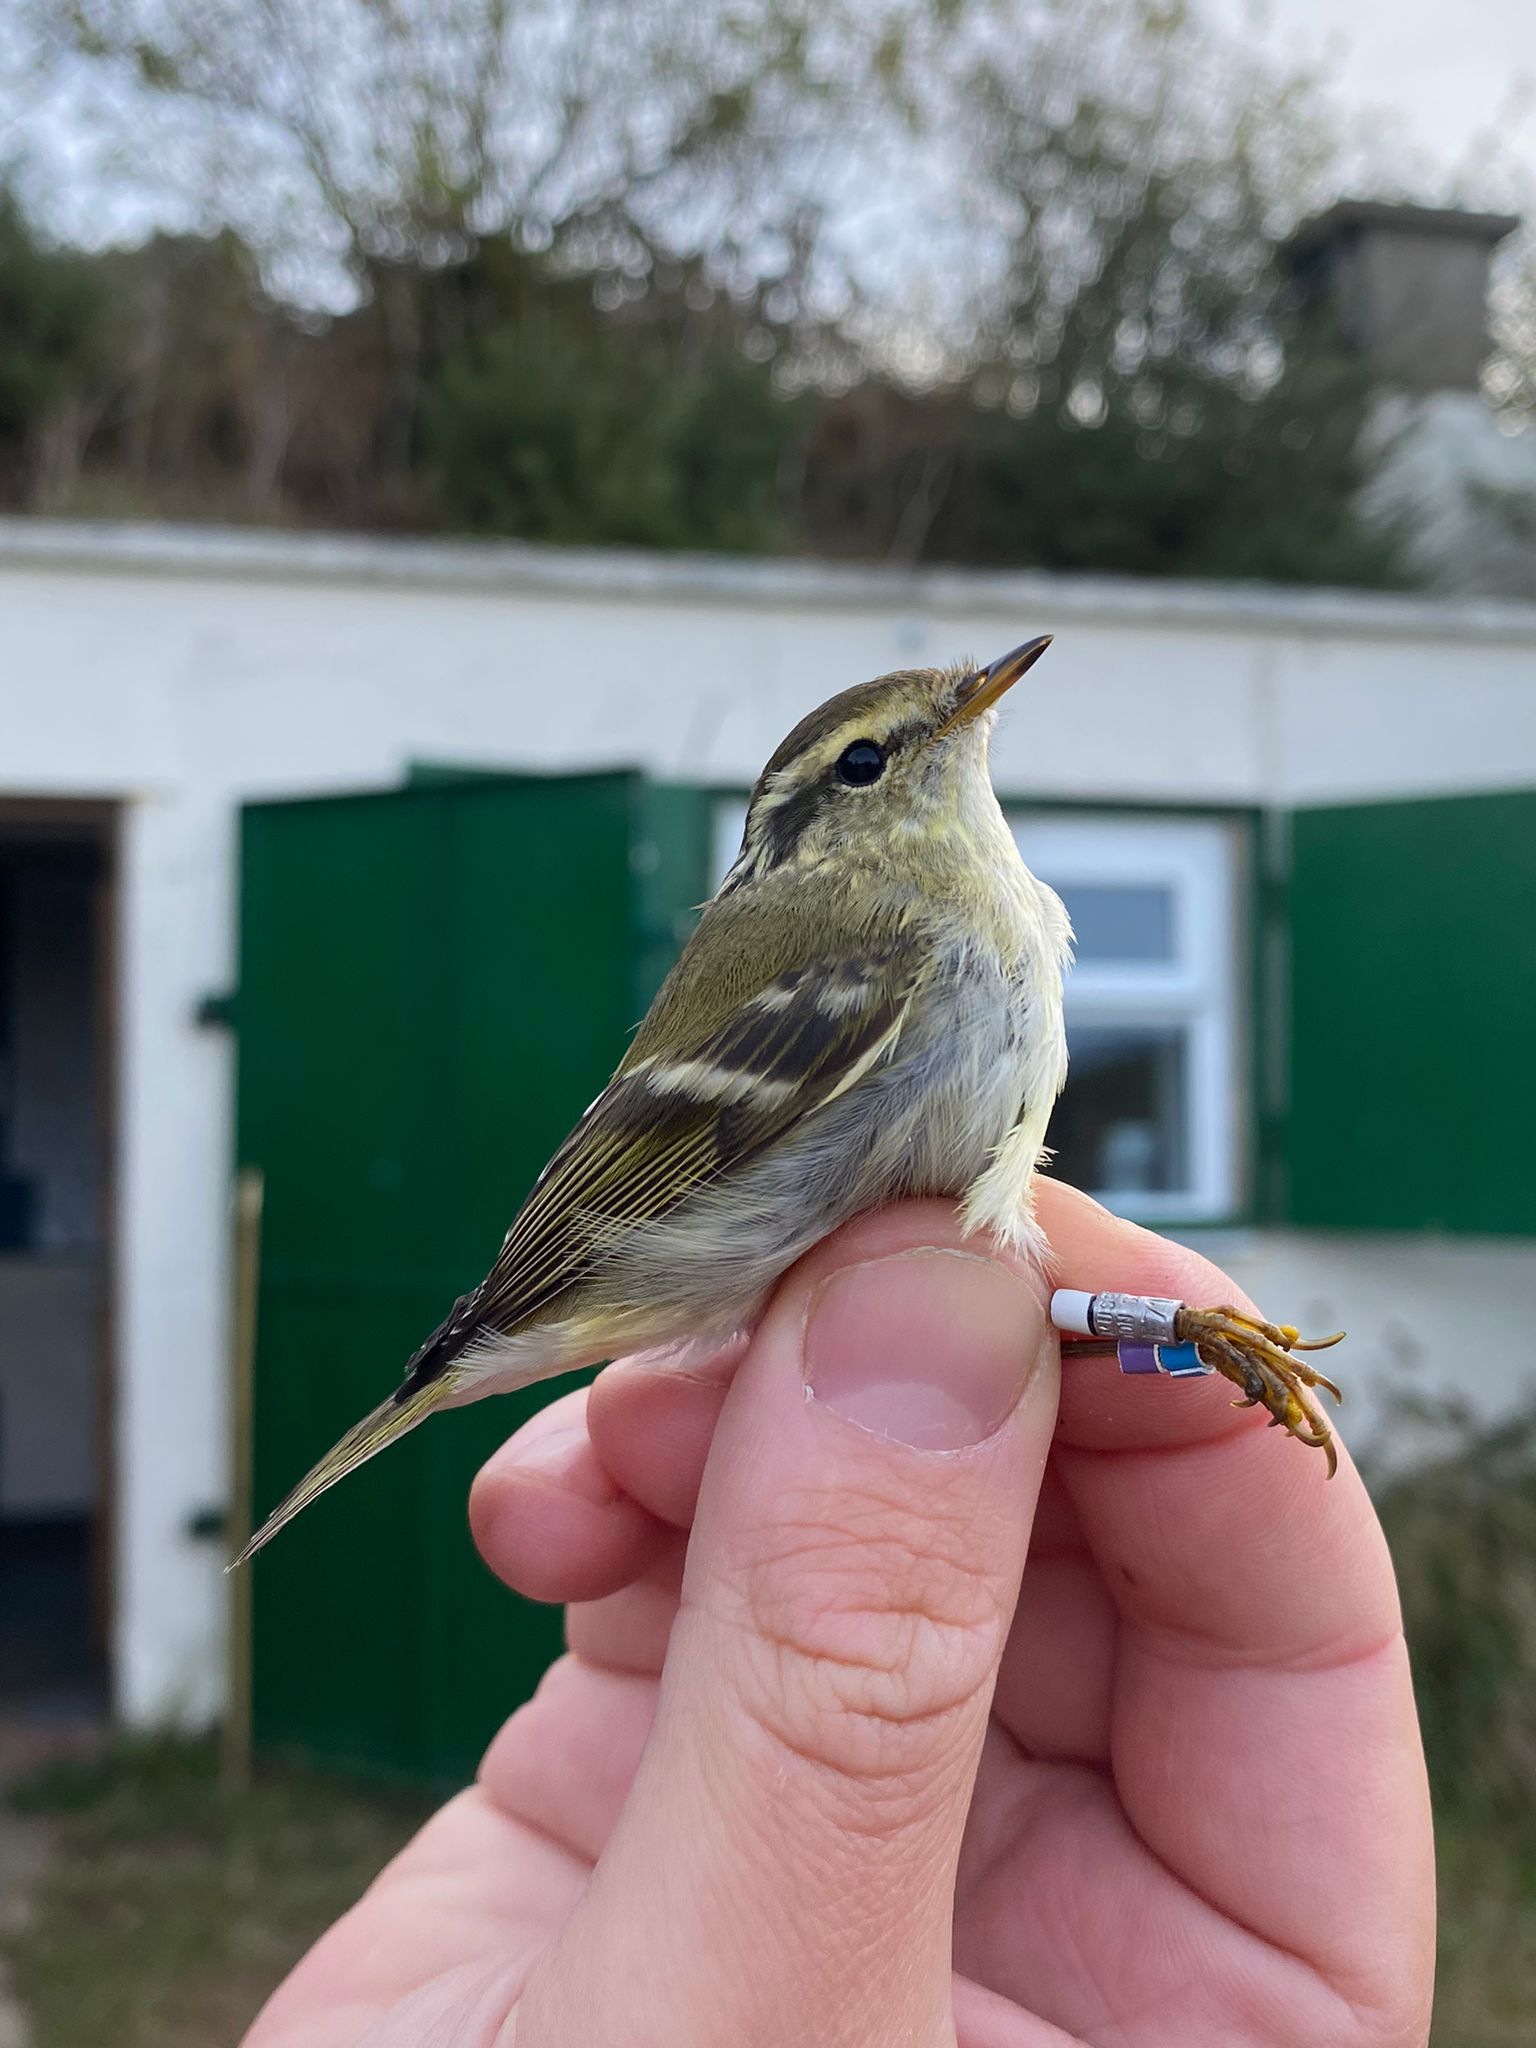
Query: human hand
(844,1781)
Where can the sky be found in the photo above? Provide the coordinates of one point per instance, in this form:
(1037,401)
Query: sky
(1444,74)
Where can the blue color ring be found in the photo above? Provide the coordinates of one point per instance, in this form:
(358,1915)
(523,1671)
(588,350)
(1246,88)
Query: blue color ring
(1181,1361)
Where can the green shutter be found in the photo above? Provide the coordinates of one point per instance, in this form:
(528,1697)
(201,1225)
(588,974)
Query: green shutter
(1413,1015)
(671,858)
(434,983)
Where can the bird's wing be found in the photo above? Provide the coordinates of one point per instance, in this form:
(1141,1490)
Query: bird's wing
(674,1119)
(684,1108)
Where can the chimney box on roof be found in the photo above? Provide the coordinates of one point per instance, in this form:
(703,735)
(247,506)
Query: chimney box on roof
(1406,285)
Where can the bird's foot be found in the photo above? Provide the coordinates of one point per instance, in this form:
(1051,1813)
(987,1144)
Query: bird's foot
(1152,1333)
(1260,1358)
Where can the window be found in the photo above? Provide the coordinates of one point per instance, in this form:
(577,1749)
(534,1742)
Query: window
(725,840)
(1148,1122)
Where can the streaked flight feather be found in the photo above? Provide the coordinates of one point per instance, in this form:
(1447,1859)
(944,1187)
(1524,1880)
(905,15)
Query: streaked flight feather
(381,1427)
(671,1123)
(659,1134)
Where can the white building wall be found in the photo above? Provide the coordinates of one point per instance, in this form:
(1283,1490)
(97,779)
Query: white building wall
(175,1122)
(1434,1318)
(184,673)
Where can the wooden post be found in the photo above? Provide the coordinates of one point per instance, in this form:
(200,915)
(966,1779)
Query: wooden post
(236,1747)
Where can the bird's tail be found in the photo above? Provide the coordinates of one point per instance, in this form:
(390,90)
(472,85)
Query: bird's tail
(389,1421)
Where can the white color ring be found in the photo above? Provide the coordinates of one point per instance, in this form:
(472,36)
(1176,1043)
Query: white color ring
(1070,1311)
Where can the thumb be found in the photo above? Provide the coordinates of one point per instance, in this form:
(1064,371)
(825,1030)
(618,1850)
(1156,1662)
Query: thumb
(784,1868)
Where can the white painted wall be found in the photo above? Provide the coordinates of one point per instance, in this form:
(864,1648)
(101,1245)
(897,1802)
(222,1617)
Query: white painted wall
(1433,1317)
(185,672)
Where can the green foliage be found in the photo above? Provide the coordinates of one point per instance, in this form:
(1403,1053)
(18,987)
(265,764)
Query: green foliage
(1462,1527)
(1212,481)
(601,438)
(52,320)
(1457,1497)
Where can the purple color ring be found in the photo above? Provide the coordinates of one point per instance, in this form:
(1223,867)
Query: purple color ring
(1178,1361)
(1137,1357)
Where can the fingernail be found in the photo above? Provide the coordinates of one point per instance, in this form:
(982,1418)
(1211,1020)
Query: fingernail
(930,1348)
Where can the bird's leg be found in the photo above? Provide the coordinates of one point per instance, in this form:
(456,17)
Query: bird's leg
(1150,1333)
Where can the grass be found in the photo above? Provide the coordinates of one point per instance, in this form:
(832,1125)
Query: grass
(1486,1990)
(171,1906)
(1459,1509)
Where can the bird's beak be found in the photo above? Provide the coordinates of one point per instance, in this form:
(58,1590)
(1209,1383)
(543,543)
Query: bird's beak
(982,690)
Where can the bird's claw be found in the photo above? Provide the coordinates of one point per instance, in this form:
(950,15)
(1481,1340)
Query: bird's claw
(1260,1359)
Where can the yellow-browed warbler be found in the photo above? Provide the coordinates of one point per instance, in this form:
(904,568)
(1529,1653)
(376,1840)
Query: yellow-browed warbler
(870,1007)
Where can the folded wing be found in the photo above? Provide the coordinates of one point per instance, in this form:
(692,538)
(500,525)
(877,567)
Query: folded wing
(673,1120)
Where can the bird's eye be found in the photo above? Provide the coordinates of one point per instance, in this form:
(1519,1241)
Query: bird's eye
(861,763)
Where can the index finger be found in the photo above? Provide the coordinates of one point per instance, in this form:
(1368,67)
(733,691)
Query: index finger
(1263,1735)
(1176,1478)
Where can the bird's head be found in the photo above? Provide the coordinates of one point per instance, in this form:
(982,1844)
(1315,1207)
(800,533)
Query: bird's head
(899,762)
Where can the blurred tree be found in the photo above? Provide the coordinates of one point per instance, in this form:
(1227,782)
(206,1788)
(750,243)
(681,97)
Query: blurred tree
(360,149)
(648,425)
(53,359)
(1127,385)
(1207,481)
(205,360)
(1018,263)
(399,135)
(917,171)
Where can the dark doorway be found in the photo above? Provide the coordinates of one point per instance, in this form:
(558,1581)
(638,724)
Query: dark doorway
(55,1230)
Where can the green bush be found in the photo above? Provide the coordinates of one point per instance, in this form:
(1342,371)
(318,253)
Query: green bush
(598,438)
(53,307)
(1462,1526)
(1209,482)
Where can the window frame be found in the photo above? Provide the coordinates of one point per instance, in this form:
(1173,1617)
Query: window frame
(1199,859)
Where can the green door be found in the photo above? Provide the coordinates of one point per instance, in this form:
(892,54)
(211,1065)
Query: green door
(1413,1015)
(433,984)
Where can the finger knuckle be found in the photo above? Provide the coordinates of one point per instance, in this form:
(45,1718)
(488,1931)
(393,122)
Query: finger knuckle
(874,1629)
